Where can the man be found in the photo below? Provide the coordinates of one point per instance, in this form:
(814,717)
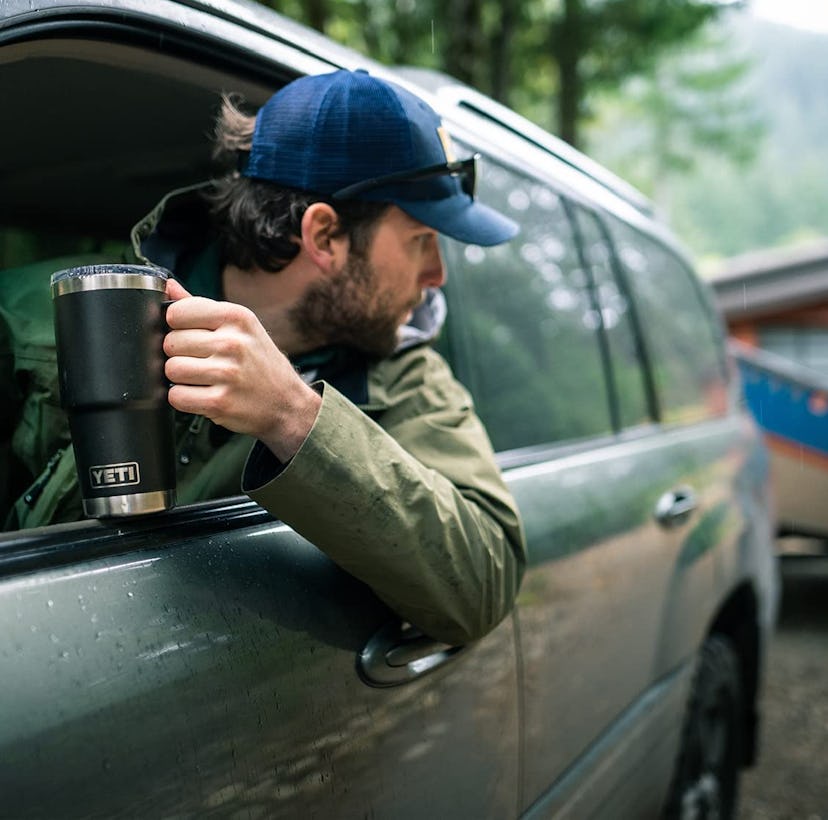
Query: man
(308,334)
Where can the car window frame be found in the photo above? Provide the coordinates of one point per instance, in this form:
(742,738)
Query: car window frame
(275,62)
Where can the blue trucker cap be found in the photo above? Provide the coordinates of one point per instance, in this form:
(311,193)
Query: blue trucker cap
(348,135)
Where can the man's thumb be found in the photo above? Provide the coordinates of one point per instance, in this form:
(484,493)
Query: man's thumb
(175,290)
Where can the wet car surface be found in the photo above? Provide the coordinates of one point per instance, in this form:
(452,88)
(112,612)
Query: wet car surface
(211,662)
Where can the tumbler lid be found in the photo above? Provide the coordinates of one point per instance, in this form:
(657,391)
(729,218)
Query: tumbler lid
(109,277)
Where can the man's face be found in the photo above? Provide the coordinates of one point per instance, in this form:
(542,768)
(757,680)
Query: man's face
(372,297)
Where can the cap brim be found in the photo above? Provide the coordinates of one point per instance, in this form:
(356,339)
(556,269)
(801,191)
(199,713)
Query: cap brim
(462,218)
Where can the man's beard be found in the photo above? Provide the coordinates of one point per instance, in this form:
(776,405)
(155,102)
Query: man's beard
(333,311)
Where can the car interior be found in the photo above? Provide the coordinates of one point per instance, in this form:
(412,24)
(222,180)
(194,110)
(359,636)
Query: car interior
(102,131)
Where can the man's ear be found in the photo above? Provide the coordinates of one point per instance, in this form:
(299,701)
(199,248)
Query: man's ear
(322,240)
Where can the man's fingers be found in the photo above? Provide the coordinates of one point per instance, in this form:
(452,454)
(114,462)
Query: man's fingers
(200,401)
(197,312)
(188,370)
(191,342)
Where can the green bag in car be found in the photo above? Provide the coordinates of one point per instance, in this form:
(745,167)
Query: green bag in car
(35,430)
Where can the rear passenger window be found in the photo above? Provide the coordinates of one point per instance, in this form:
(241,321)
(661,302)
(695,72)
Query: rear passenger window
(619,320)
(527,323)
(677,326)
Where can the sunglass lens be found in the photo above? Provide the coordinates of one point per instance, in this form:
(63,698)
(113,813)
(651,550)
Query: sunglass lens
(468,177)
(468,182)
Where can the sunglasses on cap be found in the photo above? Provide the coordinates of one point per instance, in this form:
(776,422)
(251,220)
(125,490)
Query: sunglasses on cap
(465,170)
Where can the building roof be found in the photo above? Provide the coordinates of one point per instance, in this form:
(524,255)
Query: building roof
(771,281)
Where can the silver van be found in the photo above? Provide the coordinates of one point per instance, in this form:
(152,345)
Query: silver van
(209,662)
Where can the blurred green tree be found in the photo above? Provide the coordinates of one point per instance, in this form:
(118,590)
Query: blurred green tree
(543,55)
(694,103)
(598,44)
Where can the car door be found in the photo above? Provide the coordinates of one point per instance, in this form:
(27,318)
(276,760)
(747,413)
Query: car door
(620,568)
(213,661)
(206,661)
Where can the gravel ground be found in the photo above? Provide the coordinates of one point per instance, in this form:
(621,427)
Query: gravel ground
(790,781)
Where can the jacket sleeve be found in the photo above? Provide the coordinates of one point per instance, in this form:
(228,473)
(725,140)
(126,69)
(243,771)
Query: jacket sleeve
(414,506)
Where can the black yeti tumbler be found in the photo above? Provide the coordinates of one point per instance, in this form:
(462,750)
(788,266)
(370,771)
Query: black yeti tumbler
(109,330)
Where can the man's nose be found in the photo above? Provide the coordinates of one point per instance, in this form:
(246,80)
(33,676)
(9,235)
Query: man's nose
(434,269)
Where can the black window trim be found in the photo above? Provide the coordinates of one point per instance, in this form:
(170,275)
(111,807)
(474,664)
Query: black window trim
(55,545)
(640,341)
(610,383)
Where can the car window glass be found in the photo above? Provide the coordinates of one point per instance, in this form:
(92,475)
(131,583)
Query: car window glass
(532,357)
(618,321)
(679,333)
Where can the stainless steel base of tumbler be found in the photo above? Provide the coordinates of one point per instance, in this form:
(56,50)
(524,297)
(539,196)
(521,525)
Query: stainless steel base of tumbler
(132,504)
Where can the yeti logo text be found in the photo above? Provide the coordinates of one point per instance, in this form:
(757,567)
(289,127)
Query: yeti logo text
(114,475)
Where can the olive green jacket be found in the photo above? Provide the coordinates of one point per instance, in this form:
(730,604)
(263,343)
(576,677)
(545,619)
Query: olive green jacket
(412,504)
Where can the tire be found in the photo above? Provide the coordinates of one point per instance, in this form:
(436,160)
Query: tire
(705,782)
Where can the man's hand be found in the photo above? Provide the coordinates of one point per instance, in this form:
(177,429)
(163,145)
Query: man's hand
(224,365)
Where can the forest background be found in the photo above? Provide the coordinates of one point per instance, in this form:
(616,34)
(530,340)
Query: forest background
(716,115)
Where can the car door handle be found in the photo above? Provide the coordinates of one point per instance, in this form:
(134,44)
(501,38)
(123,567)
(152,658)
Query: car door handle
(674,507)
(399,653)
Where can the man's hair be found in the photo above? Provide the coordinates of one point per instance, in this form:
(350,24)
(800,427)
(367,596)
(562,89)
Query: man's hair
(260,222)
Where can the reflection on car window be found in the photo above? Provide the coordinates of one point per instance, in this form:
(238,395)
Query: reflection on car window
(617,318)
(678,331)
(529,323)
